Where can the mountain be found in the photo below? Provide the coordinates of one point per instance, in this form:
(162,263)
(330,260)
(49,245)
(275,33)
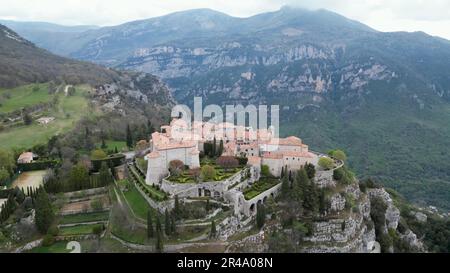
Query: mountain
(47,35)
(115,98)
(21,62)
(383,97)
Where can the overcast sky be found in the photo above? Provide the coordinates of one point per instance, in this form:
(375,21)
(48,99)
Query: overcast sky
(431,16)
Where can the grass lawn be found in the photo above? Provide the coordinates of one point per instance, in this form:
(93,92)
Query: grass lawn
(152,192)
(69,111)
(23,96)
(136,201)
(112,144)
(77,230)
(58,247)
(84,218)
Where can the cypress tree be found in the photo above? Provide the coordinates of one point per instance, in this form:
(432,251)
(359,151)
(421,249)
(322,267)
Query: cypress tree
(44,211)
(167,222)
(213,232)
(260,216)
(220,151)
(285,187)
(104,176)
(129,137)
(214,147)
(159,245)
(150,231)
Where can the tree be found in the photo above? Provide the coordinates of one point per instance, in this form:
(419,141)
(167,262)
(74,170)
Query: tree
(159,244)
(150,231)
(104,177)
(195,173)
(208,172)
(129,137)
(227,162)
(285,187)
(214,147)
(167,222)
(150,129)
(207,205)
(310,170)
(265,171)
(326,163)
(338,154)
(260,215)
(176,167)
(213,232)
(103,144)
(177,208)
(173,224)
(220,151)
(78,178)
(44,211)
(98,154)
(27,119)
(4,176)
(7,162)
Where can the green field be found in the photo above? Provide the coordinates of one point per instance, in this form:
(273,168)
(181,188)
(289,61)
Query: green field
(84,218)
(136,201)
(23,96)
(67,113)
(112,144)
(58,247)
(77,230)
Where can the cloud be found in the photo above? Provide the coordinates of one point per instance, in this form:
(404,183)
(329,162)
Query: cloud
(432,16)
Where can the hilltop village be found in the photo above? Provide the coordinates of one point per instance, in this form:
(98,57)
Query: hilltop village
(180,143)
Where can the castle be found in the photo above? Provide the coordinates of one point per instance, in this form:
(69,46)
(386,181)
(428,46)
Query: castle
(184,142)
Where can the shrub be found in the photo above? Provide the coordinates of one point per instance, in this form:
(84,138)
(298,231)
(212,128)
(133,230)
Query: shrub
(326,163)
(265,171)
(53,230)
(98,154)
(208,172)
(98,229)
(338,154)
(48,240)
(242,160)
(227,162)
(176,167)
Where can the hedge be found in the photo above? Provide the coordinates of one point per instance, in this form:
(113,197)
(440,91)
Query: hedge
(111,161)
(36,166)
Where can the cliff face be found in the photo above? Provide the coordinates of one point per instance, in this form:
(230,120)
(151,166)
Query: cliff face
(357,219)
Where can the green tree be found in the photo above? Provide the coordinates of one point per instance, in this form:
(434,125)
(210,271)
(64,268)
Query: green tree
(78,178)
(177,208)
(213,232)
(44,211)
(159,244)
(98,154)
(208,172)
(150,231)
(326,163)
(167,222)
(265,171)
(338,154)
(214,147)
(260,215)
(27,119)
(104,177)
(220,151)
(285,187)
(129,137)
(7,162)
(310,170)
(4,176)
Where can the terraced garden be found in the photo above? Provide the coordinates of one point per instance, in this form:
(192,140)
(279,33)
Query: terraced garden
(138,178)
(78,230)
(84,218)
(264,184)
